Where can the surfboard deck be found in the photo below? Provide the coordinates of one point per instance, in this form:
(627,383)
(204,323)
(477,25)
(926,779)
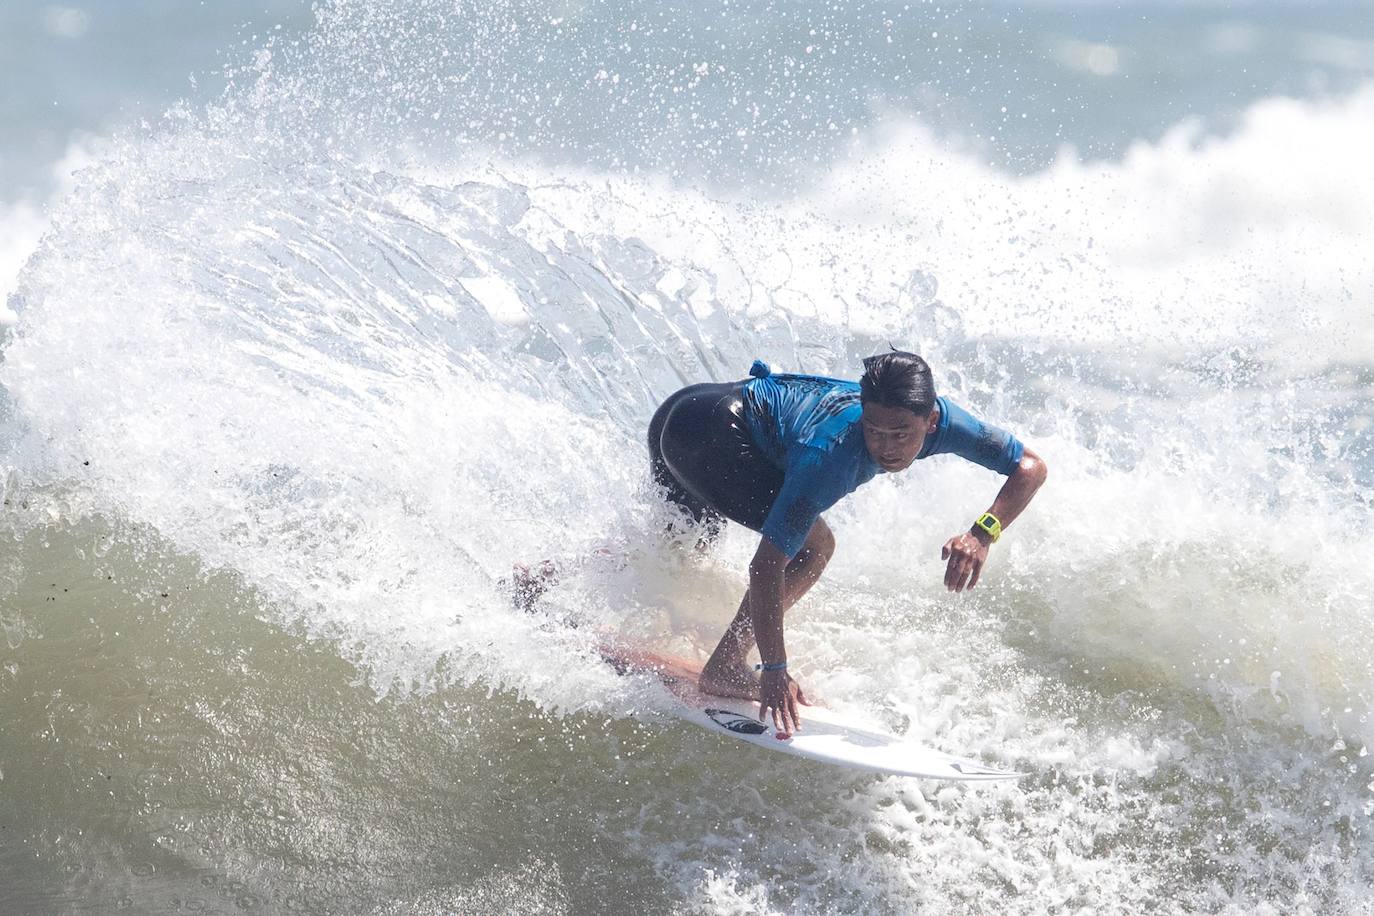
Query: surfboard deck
(825,735)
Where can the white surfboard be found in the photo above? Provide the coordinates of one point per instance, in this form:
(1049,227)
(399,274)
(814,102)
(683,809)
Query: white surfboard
(825,735)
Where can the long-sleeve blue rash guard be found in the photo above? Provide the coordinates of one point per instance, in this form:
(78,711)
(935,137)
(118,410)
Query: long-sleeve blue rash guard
(808,426)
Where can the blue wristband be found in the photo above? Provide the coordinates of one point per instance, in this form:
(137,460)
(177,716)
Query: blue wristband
(771,666)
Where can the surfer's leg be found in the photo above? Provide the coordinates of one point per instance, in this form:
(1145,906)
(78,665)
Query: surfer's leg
(727,672)
(703,460)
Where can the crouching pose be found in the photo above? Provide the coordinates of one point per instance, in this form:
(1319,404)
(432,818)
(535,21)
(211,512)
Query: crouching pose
(774,451)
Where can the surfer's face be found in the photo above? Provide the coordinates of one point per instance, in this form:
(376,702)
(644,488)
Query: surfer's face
(894,435)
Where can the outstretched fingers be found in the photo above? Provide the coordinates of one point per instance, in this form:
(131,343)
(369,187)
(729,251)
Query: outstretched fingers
(783,708)
(977,571)
(962,567)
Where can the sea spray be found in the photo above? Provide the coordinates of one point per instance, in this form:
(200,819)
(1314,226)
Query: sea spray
(288,392)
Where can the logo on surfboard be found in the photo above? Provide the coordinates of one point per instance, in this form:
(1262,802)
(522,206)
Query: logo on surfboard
(973,769)
(742,725)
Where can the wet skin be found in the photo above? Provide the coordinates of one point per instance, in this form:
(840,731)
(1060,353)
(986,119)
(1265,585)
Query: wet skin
(894,437)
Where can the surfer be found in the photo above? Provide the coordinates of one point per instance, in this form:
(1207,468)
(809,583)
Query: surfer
(774,451)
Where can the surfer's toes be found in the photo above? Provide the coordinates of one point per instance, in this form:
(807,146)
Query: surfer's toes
(527,585)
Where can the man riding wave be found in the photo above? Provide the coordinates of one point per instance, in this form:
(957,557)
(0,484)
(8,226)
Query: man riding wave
(775,451)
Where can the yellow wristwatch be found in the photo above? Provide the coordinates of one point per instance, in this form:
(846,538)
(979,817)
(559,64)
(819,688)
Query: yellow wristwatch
(990,524)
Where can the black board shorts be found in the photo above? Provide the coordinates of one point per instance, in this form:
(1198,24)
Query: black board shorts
(702,453)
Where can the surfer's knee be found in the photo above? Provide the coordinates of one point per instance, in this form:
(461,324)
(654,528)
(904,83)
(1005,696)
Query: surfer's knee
(820,545)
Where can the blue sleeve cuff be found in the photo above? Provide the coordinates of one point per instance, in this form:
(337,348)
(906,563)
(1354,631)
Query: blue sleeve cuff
(793,513)
(960,433)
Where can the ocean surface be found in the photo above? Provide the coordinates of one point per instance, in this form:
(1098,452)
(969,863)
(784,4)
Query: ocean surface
(317,318)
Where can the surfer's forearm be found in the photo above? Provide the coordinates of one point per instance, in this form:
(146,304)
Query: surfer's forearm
(1019,489)
(765,606)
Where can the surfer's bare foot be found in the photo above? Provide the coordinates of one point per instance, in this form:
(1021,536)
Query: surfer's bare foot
(528,583)
(729,681)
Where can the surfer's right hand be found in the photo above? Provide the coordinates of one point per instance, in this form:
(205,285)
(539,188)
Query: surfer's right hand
(781,695)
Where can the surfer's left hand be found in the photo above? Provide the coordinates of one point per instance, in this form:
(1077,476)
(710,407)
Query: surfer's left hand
(782,695)
(966,553)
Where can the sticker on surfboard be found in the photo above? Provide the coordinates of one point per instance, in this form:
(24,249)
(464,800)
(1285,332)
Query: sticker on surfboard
(740,725)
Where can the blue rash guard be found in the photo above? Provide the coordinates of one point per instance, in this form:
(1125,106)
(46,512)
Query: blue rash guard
(808,426)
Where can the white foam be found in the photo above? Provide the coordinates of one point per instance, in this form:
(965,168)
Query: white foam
(1192,239)
(1253,241)
(1190,242)
(281,366)
(21,226)
(500,301)
(23,223)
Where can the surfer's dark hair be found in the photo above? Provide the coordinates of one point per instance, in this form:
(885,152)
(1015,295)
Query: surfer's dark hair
(898,379)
